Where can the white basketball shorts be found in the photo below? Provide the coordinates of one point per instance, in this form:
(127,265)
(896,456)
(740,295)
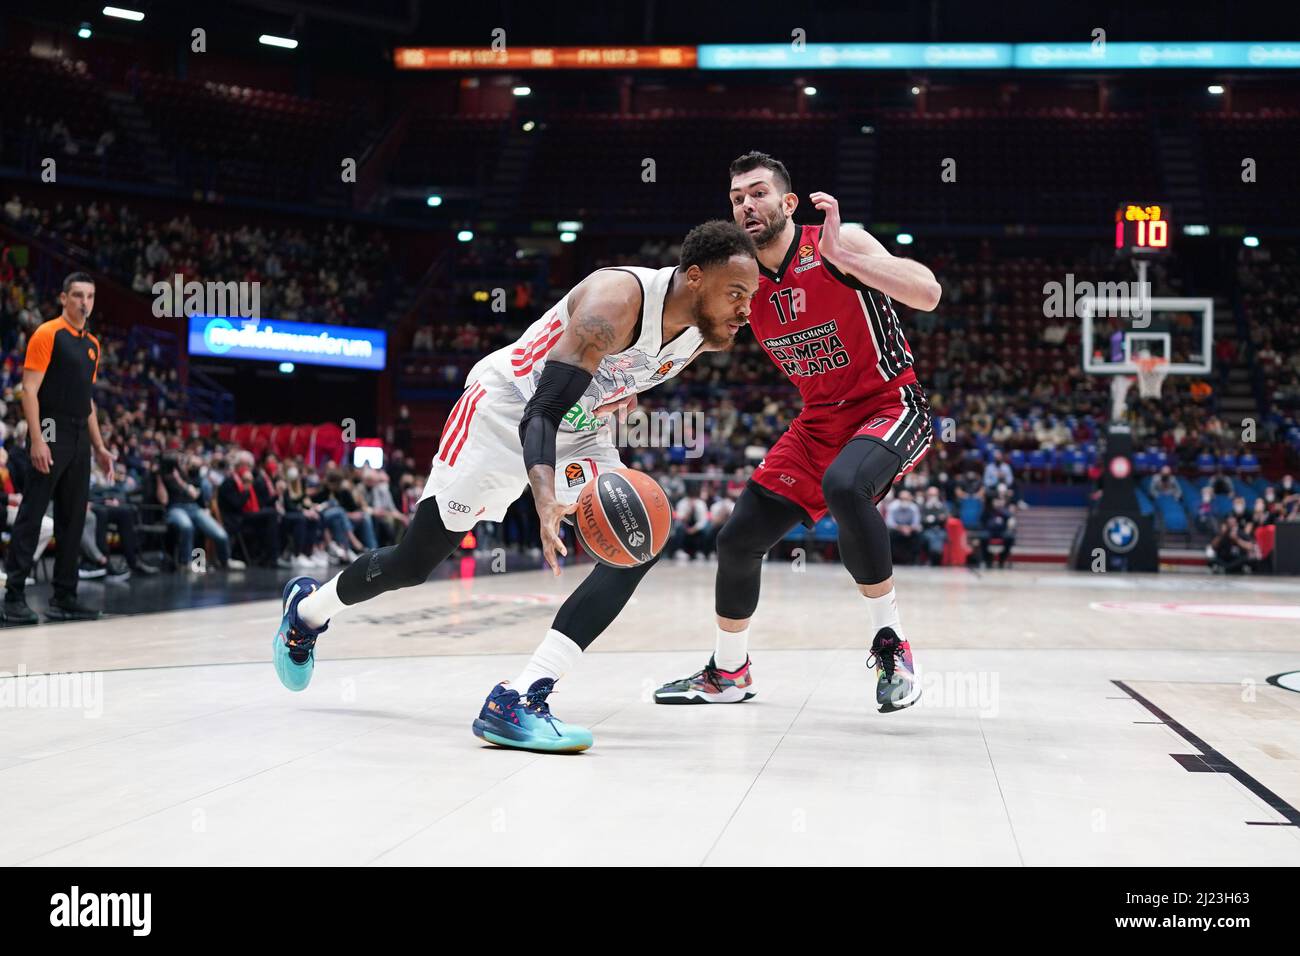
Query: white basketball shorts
(478,471)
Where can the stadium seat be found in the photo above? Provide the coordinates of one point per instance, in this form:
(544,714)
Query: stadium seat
(1145,504)
(826,530)
(1171,513)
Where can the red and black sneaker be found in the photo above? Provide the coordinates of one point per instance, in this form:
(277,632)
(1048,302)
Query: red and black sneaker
(710,686)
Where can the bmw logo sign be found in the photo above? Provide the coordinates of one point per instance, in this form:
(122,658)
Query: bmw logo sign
(1120,534)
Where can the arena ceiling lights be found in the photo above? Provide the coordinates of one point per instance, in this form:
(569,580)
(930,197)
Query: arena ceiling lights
(122,13)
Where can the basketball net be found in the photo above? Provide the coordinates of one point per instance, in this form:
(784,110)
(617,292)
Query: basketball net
(1151,374)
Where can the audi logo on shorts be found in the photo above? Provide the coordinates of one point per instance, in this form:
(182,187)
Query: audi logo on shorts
(457,506)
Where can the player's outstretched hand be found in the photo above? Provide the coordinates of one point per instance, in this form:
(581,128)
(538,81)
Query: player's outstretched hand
(828,204)
(551,513)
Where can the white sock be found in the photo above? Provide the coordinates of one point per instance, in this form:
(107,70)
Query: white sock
(554,658)
(316,609)
(731,649)
(884,613)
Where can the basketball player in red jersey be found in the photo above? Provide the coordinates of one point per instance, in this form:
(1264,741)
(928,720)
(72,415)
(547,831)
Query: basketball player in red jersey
(824,315)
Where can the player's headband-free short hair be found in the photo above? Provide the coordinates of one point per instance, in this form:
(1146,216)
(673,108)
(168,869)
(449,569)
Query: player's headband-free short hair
(754,159)
(715,242)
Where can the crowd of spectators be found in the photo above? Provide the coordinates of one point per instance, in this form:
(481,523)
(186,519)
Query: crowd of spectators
(1241,538)
(181,499)
(1269,280)
(332,273)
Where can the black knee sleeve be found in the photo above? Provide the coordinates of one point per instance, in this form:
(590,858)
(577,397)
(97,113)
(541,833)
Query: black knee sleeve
(861,475)
(426,544)
(595,602)
(759,521)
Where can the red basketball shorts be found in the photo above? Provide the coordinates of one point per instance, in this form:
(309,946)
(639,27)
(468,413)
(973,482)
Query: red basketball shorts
(898,418)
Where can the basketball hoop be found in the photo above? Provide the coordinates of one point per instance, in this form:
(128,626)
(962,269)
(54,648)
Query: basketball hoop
(1151,374)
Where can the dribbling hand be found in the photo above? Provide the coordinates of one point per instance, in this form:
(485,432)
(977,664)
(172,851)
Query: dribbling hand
(551,513)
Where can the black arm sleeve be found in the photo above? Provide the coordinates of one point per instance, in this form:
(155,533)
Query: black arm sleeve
(561,385)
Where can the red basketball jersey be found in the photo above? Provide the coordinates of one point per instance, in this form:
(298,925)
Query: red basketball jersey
(831,335)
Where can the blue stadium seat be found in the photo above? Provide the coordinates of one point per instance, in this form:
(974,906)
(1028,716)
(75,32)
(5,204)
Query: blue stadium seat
(1172,513)
(1247,490)
(972,511)
(826,530)
(1145,505)
(1017,460)
(1248,464)
(1228,461)
(1222,506)
(1205,463)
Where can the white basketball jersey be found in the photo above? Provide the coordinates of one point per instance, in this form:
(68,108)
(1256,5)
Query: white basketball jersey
(642,365)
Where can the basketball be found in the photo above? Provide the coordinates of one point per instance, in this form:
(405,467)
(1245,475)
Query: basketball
(623,518)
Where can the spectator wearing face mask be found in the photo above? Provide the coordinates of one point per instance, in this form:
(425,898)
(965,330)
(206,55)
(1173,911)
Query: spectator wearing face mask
(999,525)
(344,546)
(181,494)
(248,508)
(1288,492)
(1260,515)
(1165,483)
(301,518)
(1205,520)
(934,525)
(690,536)
(1233,550)
(390,523)
(997,472)
(903,519)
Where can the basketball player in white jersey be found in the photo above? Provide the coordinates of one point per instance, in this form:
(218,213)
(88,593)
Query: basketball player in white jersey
(530,412)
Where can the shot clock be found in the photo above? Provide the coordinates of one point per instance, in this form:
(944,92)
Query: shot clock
(1142,228)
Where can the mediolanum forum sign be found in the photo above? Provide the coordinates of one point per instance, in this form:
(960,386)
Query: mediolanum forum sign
(269,340)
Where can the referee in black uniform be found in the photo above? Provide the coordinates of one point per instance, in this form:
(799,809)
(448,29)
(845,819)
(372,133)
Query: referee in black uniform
(58,376)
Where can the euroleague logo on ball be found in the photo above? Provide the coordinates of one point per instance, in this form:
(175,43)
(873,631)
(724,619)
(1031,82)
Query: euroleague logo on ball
(636,539)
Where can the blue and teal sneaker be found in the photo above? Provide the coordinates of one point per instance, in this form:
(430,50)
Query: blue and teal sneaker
(509,720)
(294,650)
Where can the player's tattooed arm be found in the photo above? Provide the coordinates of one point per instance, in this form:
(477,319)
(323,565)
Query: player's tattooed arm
(603,310)
(593,338)
(857,253)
